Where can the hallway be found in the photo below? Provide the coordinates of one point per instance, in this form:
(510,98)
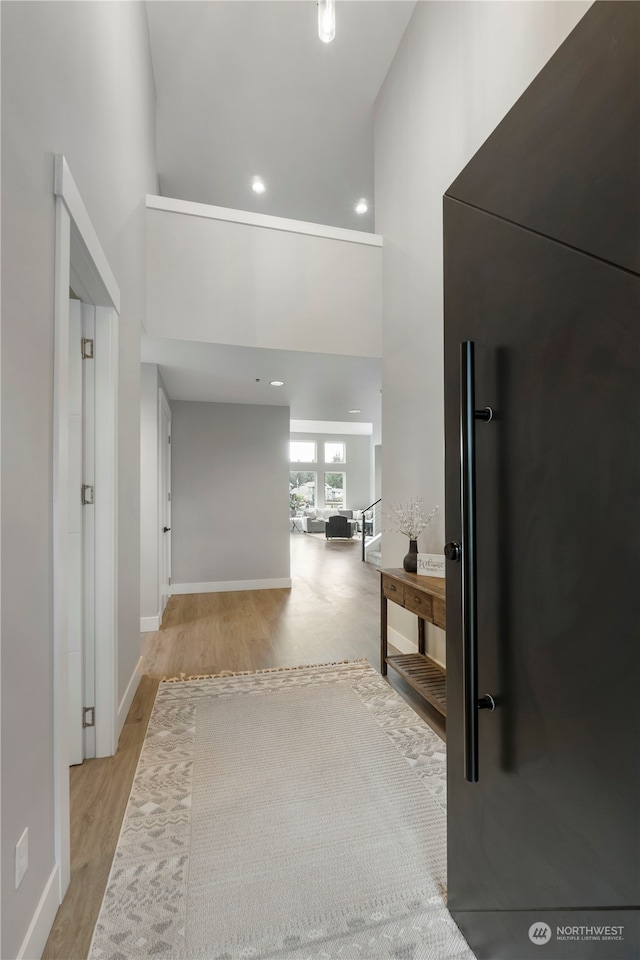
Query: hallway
(331,613)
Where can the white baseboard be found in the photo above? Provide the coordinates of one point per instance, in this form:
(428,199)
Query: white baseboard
(129,694)
(404,645)
(227,586)
(400,642)
(40,927)
(149,624)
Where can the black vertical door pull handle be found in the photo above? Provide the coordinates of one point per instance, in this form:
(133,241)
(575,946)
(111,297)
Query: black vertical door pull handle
(468,417)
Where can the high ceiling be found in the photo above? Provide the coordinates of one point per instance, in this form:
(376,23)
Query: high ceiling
(246,88)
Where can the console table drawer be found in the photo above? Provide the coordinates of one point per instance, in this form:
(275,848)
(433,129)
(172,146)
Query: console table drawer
(439,613)
(418,603)
(393,590)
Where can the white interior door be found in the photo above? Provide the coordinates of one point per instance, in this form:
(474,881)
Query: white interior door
(164,496)
(81,533)
(89,530)
(75,536)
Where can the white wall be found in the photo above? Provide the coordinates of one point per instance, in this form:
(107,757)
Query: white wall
(357,466)
(150,383)
(459,69)
(230,496)
(77,80)
(224,282)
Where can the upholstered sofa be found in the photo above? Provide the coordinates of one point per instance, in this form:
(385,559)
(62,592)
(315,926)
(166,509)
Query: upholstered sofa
(315,520)
(313,524)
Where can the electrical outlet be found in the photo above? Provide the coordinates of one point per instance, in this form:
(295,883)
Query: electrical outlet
(22,856)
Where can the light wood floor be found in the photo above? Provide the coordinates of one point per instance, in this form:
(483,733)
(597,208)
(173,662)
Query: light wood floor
(331,613)
(99,794)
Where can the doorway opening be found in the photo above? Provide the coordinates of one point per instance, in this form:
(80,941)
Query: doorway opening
(81,266)
(164,500)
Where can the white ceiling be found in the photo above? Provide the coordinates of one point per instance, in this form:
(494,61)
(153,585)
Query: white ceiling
(245,87)
(316,386)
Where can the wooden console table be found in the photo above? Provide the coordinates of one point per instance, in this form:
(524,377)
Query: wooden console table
(425,597)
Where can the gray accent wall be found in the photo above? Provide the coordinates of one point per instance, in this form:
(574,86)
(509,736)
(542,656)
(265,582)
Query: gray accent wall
(230,492)
(458,70)
(77,80)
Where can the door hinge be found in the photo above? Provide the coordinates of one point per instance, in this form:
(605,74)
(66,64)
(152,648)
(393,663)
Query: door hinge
(86,348)
(86,495)
(169,439)
(169,497)
(169,581)
(86,721)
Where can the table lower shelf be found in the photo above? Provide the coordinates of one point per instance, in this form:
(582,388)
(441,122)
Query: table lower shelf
(426,677)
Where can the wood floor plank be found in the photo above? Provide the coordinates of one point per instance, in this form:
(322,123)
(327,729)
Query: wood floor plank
(99,790)
(330,613)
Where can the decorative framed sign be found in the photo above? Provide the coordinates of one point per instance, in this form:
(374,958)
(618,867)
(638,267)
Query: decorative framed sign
(431,564)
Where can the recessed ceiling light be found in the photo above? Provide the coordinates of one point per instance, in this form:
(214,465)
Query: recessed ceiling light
(362,206)
(277,383)
(257,185)
(355,411)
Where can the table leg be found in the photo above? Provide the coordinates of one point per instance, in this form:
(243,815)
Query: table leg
(383,631)
(421,636)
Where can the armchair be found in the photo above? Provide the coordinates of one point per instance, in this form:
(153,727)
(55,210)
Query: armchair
(338,527)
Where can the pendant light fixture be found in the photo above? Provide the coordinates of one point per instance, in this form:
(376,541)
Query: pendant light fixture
(326,20)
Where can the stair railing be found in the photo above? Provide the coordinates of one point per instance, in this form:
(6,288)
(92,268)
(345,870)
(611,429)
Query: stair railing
(374,521)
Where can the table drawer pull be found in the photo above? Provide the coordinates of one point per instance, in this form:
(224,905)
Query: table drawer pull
(418,604)
(393,590)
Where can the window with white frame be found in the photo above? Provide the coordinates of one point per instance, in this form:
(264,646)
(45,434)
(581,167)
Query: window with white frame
(334,489)
(302,451)
(335,452)
(302,490)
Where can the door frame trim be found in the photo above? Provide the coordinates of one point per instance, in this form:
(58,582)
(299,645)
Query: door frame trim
(164,451)
(79,258)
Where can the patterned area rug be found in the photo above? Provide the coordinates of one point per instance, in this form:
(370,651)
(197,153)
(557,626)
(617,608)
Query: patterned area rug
(295,814)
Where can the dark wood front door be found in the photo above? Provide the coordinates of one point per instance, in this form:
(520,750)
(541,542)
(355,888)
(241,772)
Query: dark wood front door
(549,832)
(542,256)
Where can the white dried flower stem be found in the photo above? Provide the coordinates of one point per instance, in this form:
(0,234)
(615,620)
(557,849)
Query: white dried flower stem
(410,519)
